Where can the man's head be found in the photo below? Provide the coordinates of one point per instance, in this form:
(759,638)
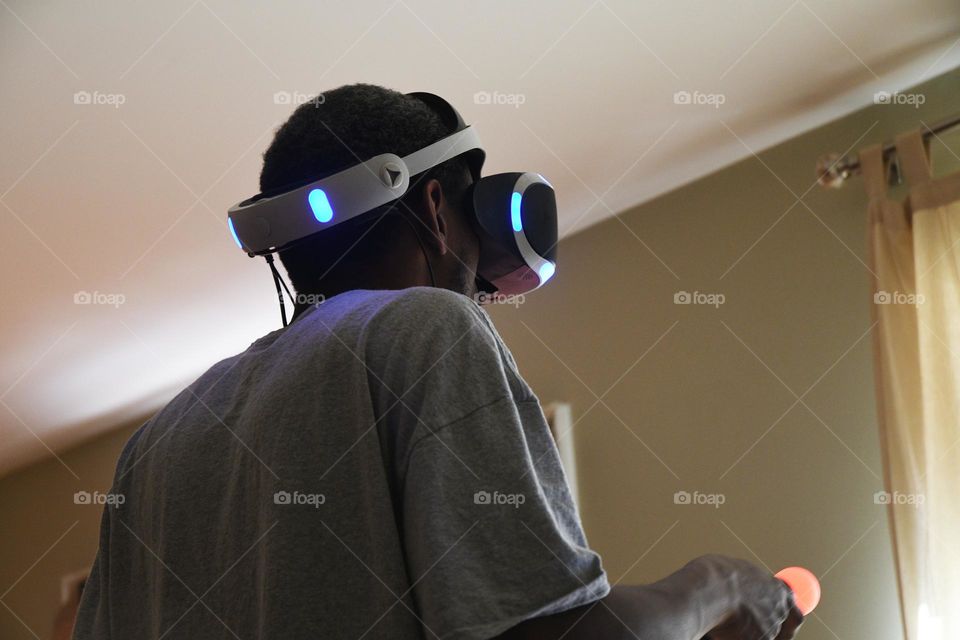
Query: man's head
(427,237)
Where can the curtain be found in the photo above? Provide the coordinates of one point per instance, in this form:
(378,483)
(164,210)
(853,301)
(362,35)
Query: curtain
(914,253)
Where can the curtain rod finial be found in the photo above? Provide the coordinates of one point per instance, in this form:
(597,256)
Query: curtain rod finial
(831,171)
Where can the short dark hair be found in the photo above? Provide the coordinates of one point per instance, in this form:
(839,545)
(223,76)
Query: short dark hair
(336,130)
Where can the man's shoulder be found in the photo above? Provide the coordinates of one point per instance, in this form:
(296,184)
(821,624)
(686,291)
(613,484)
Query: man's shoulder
(427,320)
(426,307)
(405,323)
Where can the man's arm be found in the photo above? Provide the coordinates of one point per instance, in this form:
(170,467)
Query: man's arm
(479,564)
(715,595)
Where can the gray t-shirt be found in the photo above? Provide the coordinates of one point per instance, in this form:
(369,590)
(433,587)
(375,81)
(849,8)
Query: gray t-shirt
(378,469)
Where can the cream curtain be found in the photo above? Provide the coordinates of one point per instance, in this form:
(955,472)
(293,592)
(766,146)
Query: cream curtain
(915,257)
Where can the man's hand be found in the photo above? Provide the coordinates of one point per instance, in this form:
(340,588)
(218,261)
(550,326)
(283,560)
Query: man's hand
(763,607)
(744,627)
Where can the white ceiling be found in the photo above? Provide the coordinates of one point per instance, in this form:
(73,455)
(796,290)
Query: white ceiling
(129,200)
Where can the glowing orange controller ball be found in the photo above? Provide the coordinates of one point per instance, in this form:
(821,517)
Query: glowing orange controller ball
(805,587)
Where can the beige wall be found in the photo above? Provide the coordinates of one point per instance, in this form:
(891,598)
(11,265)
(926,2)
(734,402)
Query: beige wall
(796,295)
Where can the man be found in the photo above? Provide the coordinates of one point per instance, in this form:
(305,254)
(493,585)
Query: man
(379,468)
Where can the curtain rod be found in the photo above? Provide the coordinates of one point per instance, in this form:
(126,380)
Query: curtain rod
(833,171)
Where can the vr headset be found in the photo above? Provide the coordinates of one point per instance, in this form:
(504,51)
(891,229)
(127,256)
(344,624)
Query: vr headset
(516,212)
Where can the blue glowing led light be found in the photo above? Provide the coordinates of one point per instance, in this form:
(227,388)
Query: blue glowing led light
(322,210)
(233,232)
(547,269)
(515,211)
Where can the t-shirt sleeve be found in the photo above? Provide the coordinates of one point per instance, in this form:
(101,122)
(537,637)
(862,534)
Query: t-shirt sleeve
(94,616)
(490,531)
